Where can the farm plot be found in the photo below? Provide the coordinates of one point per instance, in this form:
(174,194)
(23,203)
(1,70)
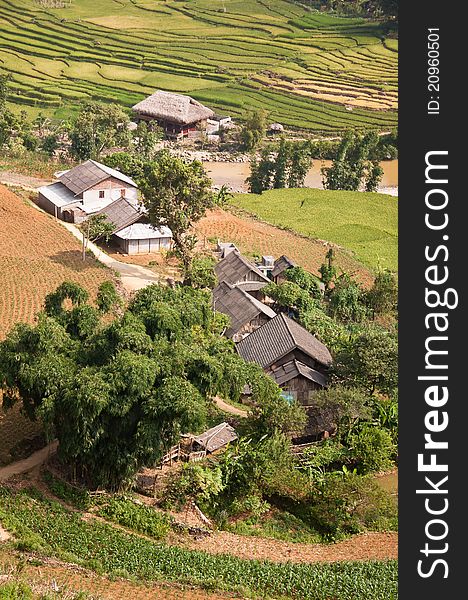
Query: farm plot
(309,70)
(36,255)
(253,237)
(364,223)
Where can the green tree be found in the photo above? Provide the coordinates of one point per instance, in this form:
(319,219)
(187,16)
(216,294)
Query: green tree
(370,361)
(177,194)
(352,166)
(347,300)
(283,167)
(96,227)
(254,129)
(304,280)
(328,270)
(201,274)
(382,298)
(145,138)
(128,163)
(98,127)
(117,395)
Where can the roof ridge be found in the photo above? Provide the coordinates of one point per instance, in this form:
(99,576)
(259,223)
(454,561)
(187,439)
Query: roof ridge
(288,328)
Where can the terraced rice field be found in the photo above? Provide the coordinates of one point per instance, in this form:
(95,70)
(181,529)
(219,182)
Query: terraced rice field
(309,70)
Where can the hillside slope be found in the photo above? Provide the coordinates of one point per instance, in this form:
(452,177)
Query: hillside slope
(309,70)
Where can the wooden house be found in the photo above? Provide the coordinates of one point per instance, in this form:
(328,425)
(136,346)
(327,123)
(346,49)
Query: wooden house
(132,233)
(177,114)
(246,313)
(281,265)
(240,272)
(214,439)
(84,190)
(291,355)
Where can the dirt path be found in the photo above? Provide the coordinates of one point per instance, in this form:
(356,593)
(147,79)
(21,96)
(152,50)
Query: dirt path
(24,181)
(21,466)
(366,546)
(233,410)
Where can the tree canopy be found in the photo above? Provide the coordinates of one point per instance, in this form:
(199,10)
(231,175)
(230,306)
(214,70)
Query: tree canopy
(118,394)
(177,194)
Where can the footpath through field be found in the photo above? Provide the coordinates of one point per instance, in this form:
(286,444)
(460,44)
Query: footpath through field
(26,464)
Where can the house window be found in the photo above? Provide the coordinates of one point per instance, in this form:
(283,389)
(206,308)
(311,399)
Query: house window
(101,193)
(122,192)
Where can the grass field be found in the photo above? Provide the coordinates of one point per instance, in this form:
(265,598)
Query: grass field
(364,223)
(309,70)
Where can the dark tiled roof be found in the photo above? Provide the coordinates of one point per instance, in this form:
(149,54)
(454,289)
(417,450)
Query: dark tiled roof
(216,437)
(121,213)
(235,268)
(238,305)
(90,173)
(294,368)
(276,338)
(282,264)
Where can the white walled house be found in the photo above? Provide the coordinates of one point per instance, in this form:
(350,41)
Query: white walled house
(85,190)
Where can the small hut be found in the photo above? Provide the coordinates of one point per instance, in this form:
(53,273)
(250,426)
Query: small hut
(214,439)
(177,114)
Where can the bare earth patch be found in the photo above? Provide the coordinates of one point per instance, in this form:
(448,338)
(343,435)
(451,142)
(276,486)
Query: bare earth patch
(367,546)
(256,237)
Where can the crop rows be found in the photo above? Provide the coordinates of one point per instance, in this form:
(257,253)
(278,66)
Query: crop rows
(123,51)
(48,527)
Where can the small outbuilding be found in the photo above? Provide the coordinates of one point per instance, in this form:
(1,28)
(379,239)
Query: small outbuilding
(177,114)
(214,439)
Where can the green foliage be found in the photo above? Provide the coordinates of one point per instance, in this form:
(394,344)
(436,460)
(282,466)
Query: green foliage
(137,517)
(370,361)
(130,164)
(98,127)
(253,129)
(201,274)
(341,504)
(145,137)
(177,194)
(304,280)
(347,300)
(289,295)
(15,591)
(50,144)
(118,395)
(195,482)
(282,167)
(107,297)
(352,166)
(65,534)
(97,227)
(382,298)
(372,448)
(77,497)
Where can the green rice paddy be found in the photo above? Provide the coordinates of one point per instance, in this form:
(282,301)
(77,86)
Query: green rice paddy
(364,223)
(310,70)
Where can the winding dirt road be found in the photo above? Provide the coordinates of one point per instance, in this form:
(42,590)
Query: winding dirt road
(22,466)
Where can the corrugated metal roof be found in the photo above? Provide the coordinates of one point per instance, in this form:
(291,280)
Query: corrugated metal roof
(216,437)
(143,231)
(239,306)
(58,194)
(90,173)
(234,268)
(276,338)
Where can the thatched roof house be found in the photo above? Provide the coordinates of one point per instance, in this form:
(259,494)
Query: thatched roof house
(176,113)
